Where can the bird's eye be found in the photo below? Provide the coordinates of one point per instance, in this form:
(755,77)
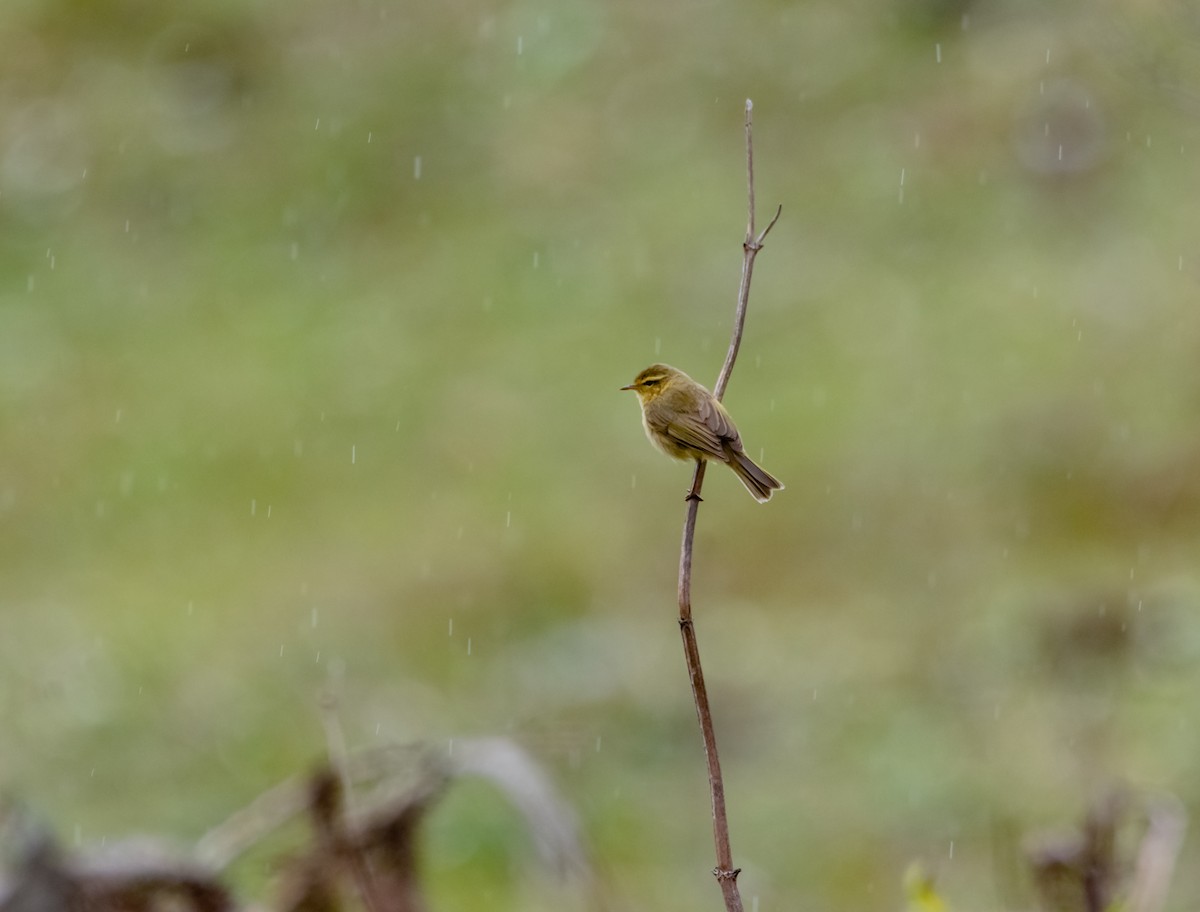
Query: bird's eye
(653,381)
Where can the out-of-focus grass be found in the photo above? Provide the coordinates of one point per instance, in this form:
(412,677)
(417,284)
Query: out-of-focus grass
(311,323)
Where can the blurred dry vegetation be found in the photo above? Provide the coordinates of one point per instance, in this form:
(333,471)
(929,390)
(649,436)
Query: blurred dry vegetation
(312,318)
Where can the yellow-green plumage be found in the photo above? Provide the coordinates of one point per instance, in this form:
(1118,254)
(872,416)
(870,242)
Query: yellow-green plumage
(685,421)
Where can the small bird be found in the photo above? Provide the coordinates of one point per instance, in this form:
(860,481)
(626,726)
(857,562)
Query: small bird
(686,421)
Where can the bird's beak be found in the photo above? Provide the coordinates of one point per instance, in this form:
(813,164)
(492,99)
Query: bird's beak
(630,387)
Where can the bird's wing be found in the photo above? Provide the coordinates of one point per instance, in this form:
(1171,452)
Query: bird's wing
(721,424)
(710,431)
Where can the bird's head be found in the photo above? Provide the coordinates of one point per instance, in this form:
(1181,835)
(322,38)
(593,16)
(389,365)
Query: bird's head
(653,381)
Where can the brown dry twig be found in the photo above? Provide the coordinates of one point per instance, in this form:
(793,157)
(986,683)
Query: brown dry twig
(378,855)
(1084,871)
(725,872)
(370,850)
(134,875)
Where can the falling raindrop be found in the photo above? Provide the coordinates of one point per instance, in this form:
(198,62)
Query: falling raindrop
(468,645)
(417,168)
(938,52)
(451,632)
(253,507)
(353,454)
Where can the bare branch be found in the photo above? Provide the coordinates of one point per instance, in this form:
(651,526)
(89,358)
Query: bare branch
(725,872)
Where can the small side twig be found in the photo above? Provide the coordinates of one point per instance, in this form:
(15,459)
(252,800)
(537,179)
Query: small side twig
(335,743)
(725,872)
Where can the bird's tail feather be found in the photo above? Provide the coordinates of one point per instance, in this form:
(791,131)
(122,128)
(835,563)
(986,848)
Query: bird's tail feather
(758,481)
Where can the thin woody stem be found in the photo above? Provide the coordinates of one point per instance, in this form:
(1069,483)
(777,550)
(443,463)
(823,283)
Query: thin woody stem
(724,871)
(750,248)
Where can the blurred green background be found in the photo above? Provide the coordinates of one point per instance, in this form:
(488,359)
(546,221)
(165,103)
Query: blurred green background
(312,319)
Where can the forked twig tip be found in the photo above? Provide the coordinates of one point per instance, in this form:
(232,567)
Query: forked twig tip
(778,212)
